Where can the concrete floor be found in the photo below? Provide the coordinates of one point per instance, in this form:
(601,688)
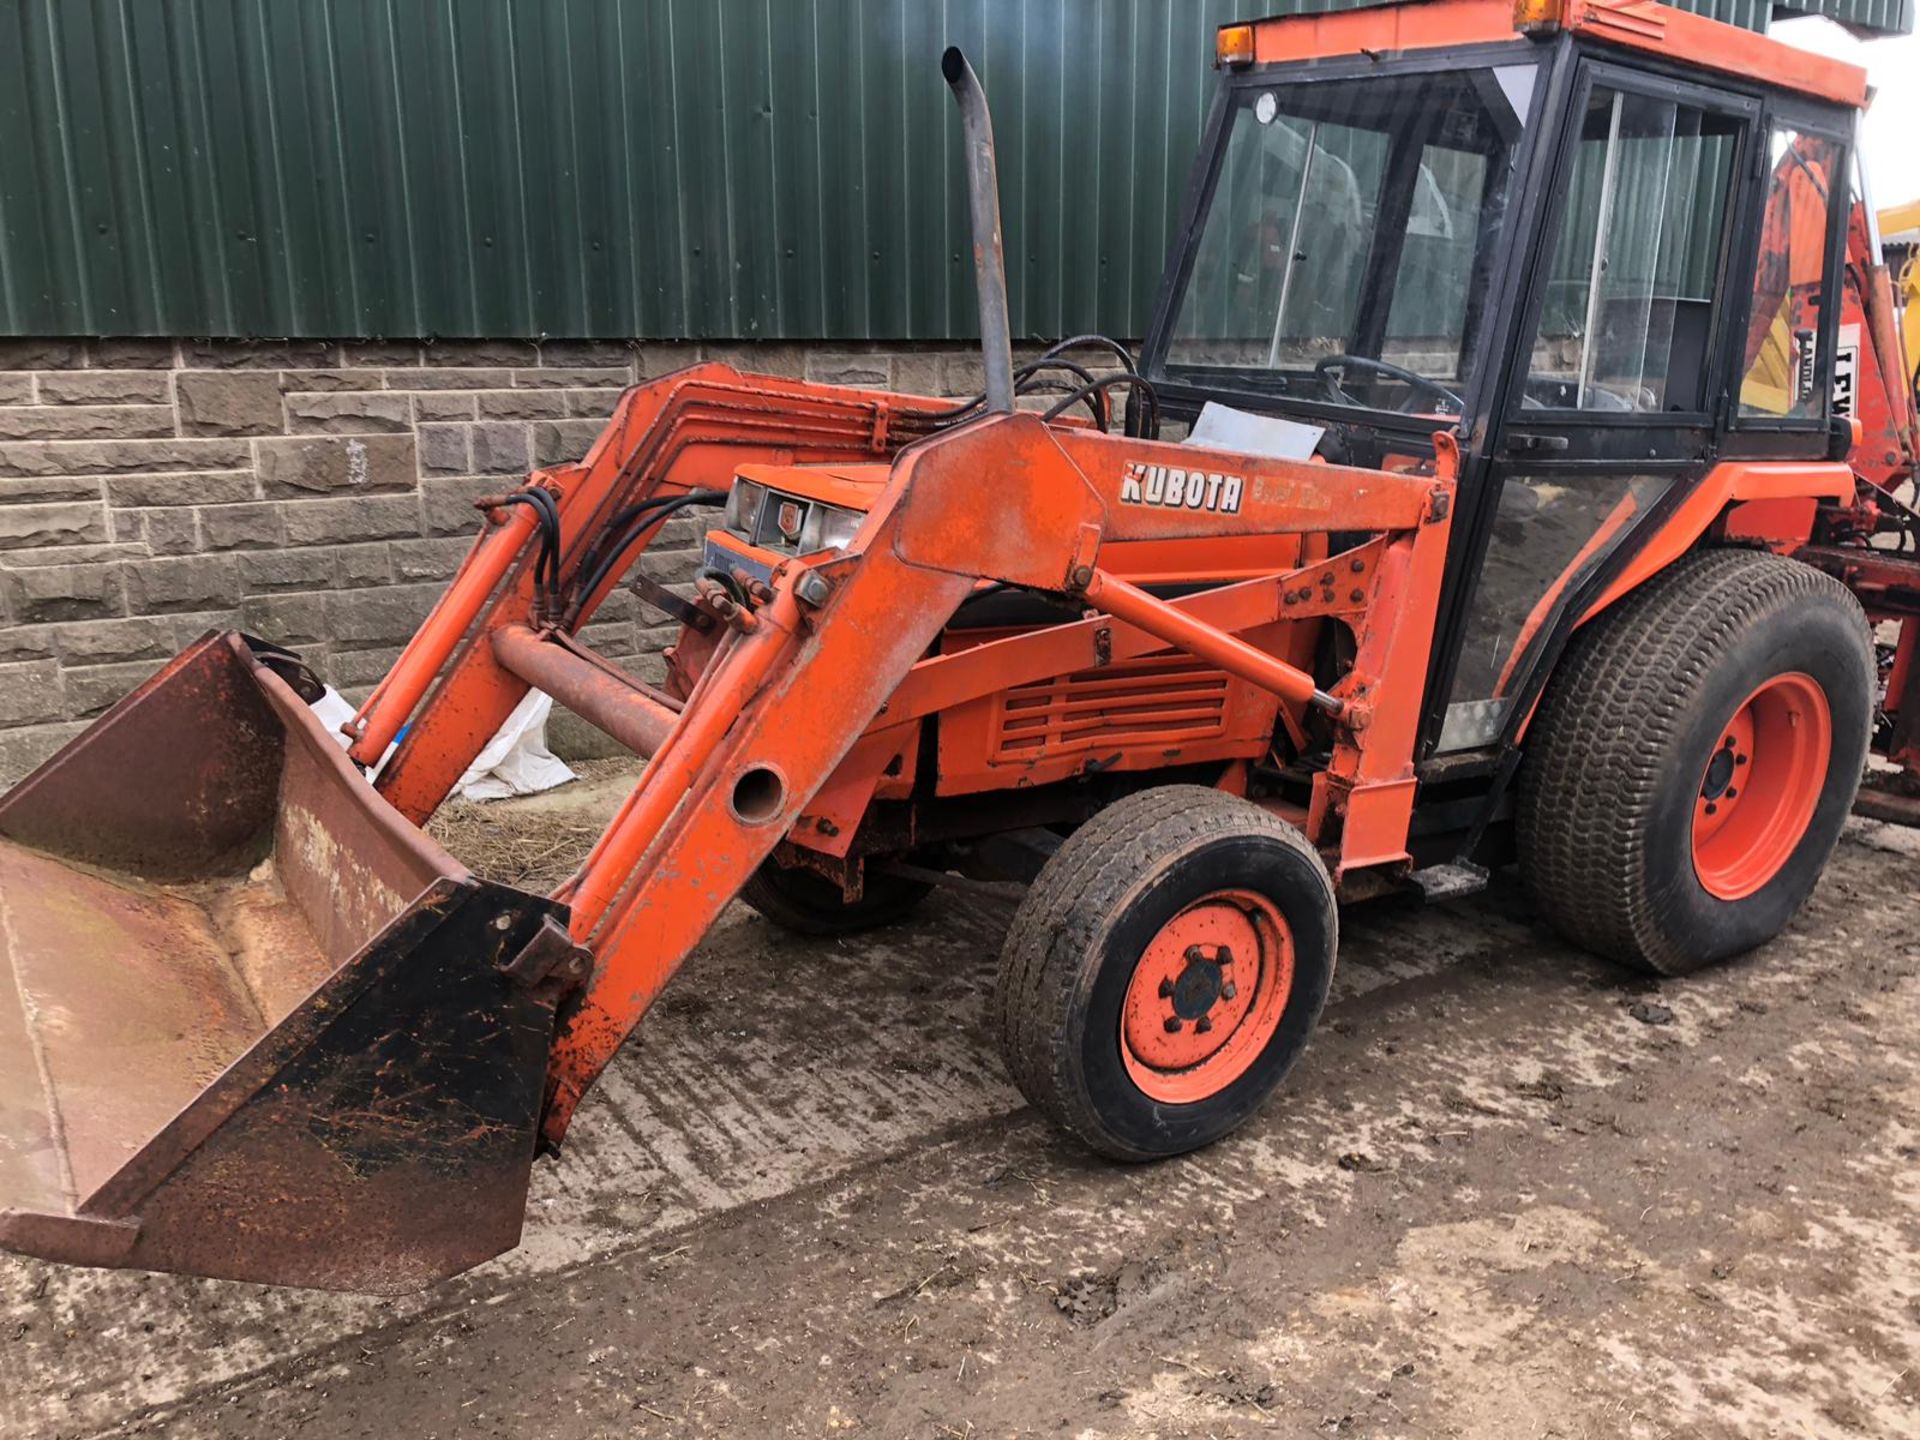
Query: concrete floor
(1509,1192)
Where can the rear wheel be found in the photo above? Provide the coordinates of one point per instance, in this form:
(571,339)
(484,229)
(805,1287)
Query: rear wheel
(1165,970)
(1694,760)
(808,904)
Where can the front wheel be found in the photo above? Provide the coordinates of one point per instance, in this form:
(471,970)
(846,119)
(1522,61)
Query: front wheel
(1165,970)
(1694,759)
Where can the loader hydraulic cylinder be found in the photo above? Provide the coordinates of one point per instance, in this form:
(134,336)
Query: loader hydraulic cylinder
(392,703)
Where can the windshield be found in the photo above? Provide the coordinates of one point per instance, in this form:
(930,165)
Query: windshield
(1347,249)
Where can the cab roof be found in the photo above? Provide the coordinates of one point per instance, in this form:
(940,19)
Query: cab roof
(1677,35)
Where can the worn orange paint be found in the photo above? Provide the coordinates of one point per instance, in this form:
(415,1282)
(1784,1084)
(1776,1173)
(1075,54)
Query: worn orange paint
(860,665)
(1070,511)
(1368,787)
(689,430)
(1722,486)
(1782,522)
(1174,627)
(792,714)
(394,698)
(1694,40)
(1386,28)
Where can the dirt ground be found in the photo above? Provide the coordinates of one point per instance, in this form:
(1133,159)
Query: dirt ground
(1510,1192)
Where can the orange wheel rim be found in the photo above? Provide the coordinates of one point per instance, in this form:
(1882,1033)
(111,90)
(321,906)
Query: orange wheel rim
(1761,786)
(1206,997)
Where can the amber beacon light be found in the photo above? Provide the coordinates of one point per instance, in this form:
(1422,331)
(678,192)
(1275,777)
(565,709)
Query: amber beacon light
(1233,46)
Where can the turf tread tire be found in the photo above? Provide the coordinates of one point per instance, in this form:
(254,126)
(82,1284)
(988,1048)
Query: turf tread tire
(1628,686)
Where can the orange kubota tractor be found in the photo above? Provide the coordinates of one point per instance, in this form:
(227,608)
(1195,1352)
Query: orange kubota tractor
(1482,492)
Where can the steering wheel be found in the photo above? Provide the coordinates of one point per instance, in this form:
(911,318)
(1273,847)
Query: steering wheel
(1323,372)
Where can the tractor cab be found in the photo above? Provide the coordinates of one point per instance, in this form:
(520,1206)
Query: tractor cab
(1593,241)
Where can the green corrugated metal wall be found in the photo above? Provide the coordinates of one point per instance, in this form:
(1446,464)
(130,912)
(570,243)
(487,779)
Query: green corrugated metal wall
(659,168)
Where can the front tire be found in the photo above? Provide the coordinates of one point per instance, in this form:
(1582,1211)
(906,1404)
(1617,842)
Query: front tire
(1694,759)
(1164,971)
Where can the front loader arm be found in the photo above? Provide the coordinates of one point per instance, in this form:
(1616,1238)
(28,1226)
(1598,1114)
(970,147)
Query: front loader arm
(774,713)
(447,694)
(1005,499)
(289,1039)
(329,1011)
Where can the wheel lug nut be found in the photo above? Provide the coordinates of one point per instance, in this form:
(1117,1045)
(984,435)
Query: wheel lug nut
(1739,759)
(1203,1024)
(1228,991)
(1712,808)
(1166,989)
(1195,953)
(1172,1024)
(1731,792)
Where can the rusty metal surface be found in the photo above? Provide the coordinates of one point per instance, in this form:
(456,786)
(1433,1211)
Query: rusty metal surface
(175,782)
(31,1172)
(348,859)
(289,1051)
(394,1147)
(1891,805)
(586,685)
(132,1001)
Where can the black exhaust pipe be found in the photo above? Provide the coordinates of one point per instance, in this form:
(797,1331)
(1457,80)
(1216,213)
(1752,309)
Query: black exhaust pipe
(989,257)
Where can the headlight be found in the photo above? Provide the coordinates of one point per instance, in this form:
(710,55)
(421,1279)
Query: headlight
(828,527)
(744,503)
(786,522)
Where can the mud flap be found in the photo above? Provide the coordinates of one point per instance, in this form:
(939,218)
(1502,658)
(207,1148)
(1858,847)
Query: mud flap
(253,1023)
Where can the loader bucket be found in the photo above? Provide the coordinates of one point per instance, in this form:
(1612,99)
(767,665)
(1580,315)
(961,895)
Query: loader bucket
(253,1023)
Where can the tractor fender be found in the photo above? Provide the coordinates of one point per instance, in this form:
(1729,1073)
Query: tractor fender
(1732,482)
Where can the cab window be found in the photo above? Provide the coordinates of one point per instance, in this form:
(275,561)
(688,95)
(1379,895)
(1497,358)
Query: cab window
(1627,318)
(1346,255)
(1786,364)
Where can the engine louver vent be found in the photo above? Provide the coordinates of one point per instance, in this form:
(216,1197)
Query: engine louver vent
(1170,698)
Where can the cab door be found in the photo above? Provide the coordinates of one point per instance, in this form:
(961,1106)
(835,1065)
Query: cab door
(1614,390)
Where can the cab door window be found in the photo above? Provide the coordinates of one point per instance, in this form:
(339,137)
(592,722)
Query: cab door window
(1785,365)
(1628,313)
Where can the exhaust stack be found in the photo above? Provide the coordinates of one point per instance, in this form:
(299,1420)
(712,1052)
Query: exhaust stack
(983,200)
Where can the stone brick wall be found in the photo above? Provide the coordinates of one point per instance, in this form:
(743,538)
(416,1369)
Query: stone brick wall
(318,494)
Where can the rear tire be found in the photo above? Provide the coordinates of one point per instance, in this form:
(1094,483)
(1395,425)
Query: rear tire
(808,904)
(1694,759)
(1164,971)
